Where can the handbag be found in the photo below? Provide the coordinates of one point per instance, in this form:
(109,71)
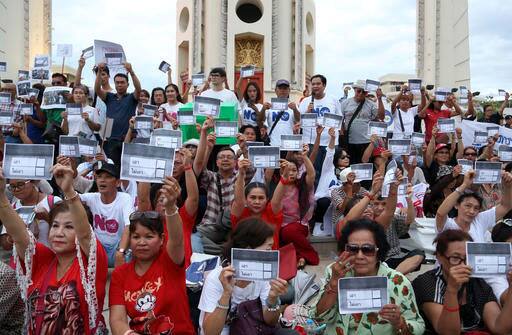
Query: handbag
(345,137)
(249,320)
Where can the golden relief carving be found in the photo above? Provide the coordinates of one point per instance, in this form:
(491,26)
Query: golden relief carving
(249,52)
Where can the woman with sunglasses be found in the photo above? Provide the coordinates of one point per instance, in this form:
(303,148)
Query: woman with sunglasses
(26,193)
(63,285)
(440,159)
(253,200)
(453,302)
(148,294)
(364,247)
(469,204)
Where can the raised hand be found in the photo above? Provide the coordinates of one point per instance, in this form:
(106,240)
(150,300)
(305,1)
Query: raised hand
(243,165)
(171,191)
(458,275)
(227,280)
(63,177)
(278,287)
(128,67)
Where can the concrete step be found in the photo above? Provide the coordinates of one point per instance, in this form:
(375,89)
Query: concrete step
(326,246)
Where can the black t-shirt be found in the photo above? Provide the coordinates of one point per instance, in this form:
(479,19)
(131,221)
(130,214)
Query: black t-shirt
(495,118)
(431,286)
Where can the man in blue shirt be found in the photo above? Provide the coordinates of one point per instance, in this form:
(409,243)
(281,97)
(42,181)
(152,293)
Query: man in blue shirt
(121,107)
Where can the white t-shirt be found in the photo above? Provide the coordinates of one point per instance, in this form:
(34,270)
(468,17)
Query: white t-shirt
(247,114)
(480,226)
(283,127)
(224,95)
(171,110)
(328,179)
(109,220)
(407,119)
(76,124)
(328,104)
(212,292)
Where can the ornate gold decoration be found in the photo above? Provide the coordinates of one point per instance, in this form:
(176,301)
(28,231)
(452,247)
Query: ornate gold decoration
(249,52)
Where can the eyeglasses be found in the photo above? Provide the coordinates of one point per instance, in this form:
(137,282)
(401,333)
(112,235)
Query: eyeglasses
(470,154)
(150,215)
(455,260)
(17,186)
(366,249)
(508,222)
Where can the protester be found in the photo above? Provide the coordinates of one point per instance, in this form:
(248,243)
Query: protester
(249,102)
(81,125)
(216,87)
(54,115)
(363,248)
(174,102)
(451,301)
(432,111)
(158,261)
(404,114)
(77,272)
(490,117)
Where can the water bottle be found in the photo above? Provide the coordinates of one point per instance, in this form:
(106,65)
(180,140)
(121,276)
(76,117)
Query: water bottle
(310,327)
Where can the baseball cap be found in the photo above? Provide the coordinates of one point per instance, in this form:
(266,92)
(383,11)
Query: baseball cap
(508,117)
(192,141)
(282,82)
(111,169)
(440,146)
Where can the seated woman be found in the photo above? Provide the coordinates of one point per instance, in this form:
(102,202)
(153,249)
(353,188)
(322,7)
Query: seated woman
(451,301)
(341,196)
(64,285)
(468,205)
(502,232)
(222,294)
(364,247)
(150,290)
(254,202)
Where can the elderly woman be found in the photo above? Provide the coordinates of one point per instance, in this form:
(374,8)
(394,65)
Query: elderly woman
(364,248)
(451,301)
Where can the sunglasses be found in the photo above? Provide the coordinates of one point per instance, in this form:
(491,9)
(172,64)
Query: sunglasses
(366,249)
(150,215)
(470,154)
(345,156)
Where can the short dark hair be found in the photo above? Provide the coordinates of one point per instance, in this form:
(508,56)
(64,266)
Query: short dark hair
(249,233)
(63,207)
(486,105)
(218,70)
(256,87)
(470,194)
(321,77)
(105,69)
(143,91)
(448,236)
(253,185)
(155,225)
(225,148)
(379,235)
(250,126)
(58,74)
(501,232)
(121,75)
(350,204)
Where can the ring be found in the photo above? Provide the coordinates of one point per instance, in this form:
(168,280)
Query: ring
(347,265)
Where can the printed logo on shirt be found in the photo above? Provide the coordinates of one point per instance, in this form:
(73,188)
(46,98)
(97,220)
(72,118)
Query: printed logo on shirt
(110,225)
(249,114)
(145,302)
(285,117)
(149,287)
(150,323)
(320,111)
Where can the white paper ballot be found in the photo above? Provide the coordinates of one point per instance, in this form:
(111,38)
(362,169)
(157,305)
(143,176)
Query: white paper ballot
(502,92)
(308,120)
(291,142)
(41,62)
(206,106)
(33,92)
(389,177)
(22,88)
(254,144)
(149,110)
(362,294)
(28,161)
(377,128)
(88,147)
(197,79)
(402,188)
(399,147)
(463,95)
(65,50)
(5,98)
(487,173)
(264,157)
(488,259)
(164,66)
(371,85)
(143,122)
(226,128)
(3,66)
(446,125)
(251,264)
(74,109)
(26,109)
(505,153)
(491,131)
(247,71)
(69,146)
(186,118)
(114,58)
(279,104)
(23,75)
(441,96)
(88,52)
(331,120)
(480,137)
(363,171)
(466,165)
(418,139)
(145,163)
(106,128)
(166,138)
(6,118)
(415,86)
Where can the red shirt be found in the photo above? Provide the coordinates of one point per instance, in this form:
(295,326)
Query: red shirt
(268,216)
(65,305)
(159,293)
(431,118)
(188,225)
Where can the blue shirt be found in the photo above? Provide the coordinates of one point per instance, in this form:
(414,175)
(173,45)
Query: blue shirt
(121,110)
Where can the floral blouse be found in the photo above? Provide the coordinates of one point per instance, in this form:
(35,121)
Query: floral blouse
(400,293)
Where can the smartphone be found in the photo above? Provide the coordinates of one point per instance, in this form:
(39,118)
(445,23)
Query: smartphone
(477,93)
(430,87)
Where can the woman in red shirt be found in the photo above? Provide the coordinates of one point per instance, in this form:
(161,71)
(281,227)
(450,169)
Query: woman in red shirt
(150,290)
(254,201)
(64,285)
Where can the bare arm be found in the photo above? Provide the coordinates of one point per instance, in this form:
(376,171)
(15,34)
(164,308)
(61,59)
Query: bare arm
(389,211)
(238,89)
(422,112)
(380,105)
(316,145)
(238,204)
(396,100)
(201,160)
(260,116)
(192,201)
(450,201)
(79,69)
(504,104)
(429,154)
(119,320)
(175,246)
(143,197)
(310,169)
(506,200)
(423,101)
(169,76)
(65,123)
(458,110)
(136,83)
(97,83)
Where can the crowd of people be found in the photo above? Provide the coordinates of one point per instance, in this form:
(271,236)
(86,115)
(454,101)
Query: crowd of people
(87,219)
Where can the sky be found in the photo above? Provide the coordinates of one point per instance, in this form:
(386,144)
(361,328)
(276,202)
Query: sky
(371,38)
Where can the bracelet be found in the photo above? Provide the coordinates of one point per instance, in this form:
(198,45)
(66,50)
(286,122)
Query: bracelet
(330,290)
(171,214)
(458,191)
(284,181)
(221,306)
(275,307)
(72,198)
(451,310)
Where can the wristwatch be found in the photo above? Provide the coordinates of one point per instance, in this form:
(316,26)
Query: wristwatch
(121,250)
(275,307)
